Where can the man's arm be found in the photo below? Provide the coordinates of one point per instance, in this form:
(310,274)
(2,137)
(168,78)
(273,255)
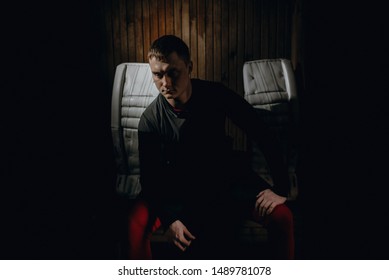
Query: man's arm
(179,235)
(153,182)
(245,116)
(154,177)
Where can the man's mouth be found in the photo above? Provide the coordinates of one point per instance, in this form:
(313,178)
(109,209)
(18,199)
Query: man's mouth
(167,90)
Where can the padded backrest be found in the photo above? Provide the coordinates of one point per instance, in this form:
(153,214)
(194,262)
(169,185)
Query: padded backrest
(133,90)
(269,85)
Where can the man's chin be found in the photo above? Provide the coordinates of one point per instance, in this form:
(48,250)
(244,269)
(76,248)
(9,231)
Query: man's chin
(168,95)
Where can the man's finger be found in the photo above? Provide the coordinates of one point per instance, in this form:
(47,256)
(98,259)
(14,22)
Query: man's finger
(267,204)
(263,211)
(184,242)
(258,203)
(189,234)
(179,245)
(271,208)
(260,194)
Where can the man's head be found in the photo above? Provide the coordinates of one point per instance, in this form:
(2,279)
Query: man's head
(170,64)
(166,45)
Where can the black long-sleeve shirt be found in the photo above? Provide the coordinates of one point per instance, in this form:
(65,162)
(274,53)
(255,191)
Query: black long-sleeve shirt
(184,157)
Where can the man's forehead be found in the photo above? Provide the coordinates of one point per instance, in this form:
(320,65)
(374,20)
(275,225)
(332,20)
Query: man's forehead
(172,61)
(158,65)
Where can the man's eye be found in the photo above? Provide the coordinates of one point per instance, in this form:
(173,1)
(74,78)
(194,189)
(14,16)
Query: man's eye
(174,74)
(158,75)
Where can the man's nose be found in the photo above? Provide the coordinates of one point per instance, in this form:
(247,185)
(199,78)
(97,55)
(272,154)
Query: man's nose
(166,80)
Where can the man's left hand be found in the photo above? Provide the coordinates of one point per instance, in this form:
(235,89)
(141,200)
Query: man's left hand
(267,200)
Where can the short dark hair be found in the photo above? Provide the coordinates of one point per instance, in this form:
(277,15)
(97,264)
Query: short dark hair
(162,47)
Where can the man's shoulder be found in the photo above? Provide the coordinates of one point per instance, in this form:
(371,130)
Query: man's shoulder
(149,115)
(206,84)
(210,89)
(153,106)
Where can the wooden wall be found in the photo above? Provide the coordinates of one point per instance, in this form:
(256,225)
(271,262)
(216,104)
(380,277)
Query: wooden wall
(222,35)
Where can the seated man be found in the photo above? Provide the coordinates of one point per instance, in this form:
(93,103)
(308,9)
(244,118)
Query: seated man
(191,185)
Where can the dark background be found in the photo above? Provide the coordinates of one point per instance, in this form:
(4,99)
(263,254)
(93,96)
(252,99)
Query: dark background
(346,128)
(57,195)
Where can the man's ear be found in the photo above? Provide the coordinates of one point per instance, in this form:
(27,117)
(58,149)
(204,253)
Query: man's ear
(190,66)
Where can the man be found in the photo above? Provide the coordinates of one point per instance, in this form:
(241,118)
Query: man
(190,182)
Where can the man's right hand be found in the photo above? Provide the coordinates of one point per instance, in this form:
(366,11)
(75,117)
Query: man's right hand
(179,235)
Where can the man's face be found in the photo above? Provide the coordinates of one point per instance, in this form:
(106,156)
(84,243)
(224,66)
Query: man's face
(172,77)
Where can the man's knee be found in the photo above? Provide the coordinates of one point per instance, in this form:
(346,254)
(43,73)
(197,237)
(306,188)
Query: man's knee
(281,217)
(139,214)
(140,217)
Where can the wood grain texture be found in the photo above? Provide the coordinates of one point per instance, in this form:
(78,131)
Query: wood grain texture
(221,34)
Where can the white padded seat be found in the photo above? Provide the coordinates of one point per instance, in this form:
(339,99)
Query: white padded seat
(269,85)
(133,90)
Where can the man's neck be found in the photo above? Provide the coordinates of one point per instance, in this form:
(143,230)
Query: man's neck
(180,102)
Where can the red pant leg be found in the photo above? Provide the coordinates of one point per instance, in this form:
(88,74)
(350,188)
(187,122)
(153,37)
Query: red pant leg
(140,227)
(280,232)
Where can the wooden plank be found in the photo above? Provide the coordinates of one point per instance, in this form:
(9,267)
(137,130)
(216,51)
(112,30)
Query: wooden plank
(224,43)
(230,42)
(295,34)
(107,15)
(257,28)
(240,135)
(201,39)
(232,47)
(185,22)
(154,21)
(265,29)
(123,31)
(272,36)
(138,31)
(131,30)
(178,18)
(248,30)
(221,34)
(169,16)
(235,132)
(117,59)
(146,29)
(208,40)
(240,48)
(217,41)
(161,18)
(193,36)
(288,25)
(279,42)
